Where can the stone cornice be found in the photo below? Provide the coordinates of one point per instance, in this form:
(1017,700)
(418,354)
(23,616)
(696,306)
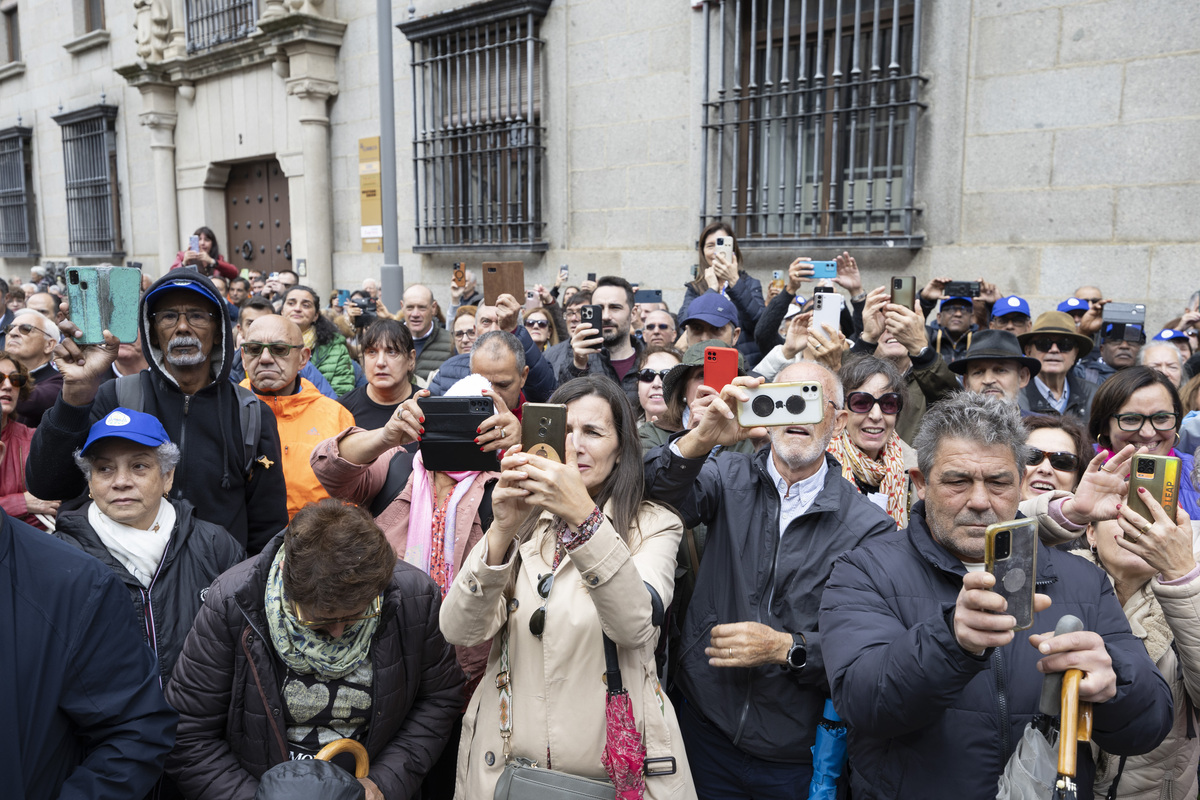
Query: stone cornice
(96,38)
(469,16)
(100,110)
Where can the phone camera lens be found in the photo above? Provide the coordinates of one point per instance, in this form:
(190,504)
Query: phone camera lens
(1003,546)
(795,404)
(541,433)
(762,406)
(1145,465)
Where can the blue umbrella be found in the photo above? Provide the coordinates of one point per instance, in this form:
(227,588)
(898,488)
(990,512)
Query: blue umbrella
(829,755)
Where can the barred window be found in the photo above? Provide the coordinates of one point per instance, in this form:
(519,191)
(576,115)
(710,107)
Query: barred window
(477,127)
(214,22)
(18,236)
(93,202)
(810,120)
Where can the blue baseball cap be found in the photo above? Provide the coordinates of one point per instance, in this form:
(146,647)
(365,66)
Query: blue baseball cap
(715,309)
(1010,305)
(125,423)
(1167,334)
(190,284)
(970,301)
(1074,305)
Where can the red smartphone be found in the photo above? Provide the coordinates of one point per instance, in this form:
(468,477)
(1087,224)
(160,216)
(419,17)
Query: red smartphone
(720,366)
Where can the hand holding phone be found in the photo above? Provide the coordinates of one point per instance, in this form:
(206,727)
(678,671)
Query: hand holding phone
(1010,555)
(589,334)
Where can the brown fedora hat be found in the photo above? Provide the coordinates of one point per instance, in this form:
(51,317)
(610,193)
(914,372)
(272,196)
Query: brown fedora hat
(1057,323)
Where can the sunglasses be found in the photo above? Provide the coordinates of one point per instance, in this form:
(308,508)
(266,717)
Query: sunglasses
(278,349)
(372,611)
(862,403)
(1063,345)
(25,329)
(537,323)
(1060,460)
(659,326)
(537,621)
(15,378)
(648,375)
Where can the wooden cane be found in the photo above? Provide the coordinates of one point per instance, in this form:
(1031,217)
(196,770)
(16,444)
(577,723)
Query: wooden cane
(1068,736)
(361,761)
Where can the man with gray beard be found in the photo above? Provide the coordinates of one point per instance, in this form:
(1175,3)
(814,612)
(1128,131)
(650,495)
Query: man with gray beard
(230,467)
(751,682)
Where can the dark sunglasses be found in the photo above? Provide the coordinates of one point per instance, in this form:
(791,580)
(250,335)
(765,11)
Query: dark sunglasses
(15,378)
(278,349)
(537,323)
(648,375)
(1061,460)
(537,622)
(1044,345)
(862,403)
(25,329)
(658,326)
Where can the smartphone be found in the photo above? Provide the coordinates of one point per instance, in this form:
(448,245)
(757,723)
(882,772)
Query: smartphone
(725,245)
(592,315)
(777,275)
(720,366)
(532,301)
(194,243)
(961,289)
(695,271)
(591,277)
(544,430)
(1128,313)
(451,423)
(343,296)
(904,290)
(1160,476)
(1010,554)
(502,277)
(827,310)
(564,271)
(105,298)
(775,404)
(647,296)
(460,275)
(824,270)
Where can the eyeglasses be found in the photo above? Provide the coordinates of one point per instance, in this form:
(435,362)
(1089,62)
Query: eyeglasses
(195,317)
(468,333)
(648,375)
(15,378)
(537,622)
(862,403)
(660,326)
(1131,423)
(537,323)
(278,349)
(1063,345)
(1090,300)
(25,329)
(372,611)
(1060,460)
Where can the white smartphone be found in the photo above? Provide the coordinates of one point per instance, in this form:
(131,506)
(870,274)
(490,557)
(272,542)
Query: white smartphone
(725,245)
(827,310)
(775,404)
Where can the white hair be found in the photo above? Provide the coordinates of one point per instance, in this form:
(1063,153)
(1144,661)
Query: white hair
(43,322)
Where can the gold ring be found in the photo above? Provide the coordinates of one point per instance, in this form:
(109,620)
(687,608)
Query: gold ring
(1145,528)
(729,650)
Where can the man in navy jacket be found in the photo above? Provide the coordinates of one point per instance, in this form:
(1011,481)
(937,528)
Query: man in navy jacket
(84,716)
(922,660)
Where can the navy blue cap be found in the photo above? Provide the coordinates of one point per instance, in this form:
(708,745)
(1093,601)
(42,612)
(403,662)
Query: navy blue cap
(184,283)
(125,423)
(715,309)
(970,301)
(1167,334)
(1010,305)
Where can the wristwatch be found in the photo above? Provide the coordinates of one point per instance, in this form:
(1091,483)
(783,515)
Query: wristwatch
(797,656)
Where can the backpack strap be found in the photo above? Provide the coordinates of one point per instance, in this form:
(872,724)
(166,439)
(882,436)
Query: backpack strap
(399,468)
(130,392)
(250,417)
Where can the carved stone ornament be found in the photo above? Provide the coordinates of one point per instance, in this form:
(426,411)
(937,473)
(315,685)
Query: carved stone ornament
(312,89)
(153,24)
(312,7)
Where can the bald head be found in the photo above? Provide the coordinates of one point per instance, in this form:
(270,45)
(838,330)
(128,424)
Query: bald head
(270,372)
(797,450)
(419,310)
(813,371)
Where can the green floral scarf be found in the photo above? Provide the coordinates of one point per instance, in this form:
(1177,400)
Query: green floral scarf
(306,650)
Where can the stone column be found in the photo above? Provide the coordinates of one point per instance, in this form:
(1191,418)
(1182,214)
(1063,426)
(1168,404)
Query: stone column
(312,95)
(158,114)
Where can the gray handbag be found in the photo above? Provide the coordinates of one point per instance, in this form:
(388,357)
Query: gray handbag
(523,780)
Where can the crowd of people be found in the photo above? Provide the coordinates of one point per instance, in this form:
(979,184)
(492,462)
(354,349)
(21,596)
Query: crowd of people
(671,606)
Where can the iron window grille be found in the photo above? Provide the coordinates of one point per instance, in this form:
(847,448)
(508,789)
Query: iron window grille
(477,132)
(214,22)
(93,201)
(810,121)
(18,234)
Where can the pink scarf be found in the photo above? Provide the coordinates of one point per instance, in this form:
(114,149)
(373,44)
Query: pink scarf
(420,517)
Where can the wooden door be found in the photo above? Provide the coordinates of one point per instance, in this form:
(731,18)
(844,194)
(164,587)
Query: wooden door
(257,211)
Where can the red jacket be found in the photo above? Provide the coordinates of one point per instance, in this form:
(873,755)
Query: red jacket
(15,437)
(220,267)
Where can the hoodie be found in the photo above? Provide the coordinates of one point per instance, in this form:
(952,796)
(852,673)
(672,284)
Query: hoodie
(212,473)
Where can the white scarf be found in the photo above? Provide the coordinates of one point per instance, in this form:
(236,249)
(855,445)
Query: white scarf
(139,551)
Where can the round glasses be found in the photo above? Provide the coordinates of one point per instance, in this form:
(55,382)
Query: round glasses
(862,403)
(1063,345)
(1060,460)
(1161,421)
(468,333)
(537,621)
(648,375)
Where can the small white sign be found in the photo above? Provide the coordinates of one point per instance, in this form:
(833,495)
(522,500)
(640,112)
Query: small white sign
(372,231)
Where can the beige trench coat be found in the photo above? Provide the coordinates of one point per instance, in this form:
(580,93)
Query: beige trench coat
(558,695)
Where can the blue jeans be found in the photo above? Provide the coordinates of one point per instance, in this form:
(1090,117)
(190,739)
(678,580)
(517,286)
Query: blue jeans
(723,772)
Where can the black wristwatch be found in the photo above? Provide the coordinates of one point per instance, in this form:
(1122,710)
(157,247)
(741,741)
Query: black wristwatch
(797,656)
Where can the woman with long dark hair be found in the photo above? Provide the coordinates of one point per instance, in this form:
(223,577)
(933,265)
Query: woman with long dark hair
(716,272)
(329,352)
(575,553)
(207,256)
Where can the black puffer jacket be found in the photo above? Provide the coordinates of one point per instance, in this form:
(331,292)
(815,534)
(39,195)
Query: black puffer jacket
(228,737)
(212,471)
(750,573)
(928,719)
(198,552)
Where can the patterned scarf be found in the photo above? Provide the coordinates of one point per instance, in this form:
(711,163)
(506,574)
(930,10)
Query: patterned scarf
(888,473)
(304,649)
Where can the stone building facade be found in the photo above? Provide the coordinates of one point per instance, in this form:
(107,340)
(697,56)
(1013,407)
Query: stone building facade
(1056,142)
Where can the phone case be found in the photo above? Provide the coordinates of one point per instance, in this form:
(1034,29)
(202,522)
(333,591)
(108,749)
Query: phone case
(824,270)
(105,298)
(827,310)
(1128,313)
(1016,571)
(544,430)
(648,296)
(720,366)
(592,315)
(460,275)
(904,290)
(775,404)
(451,424)
(1159,475)
(503,277)
(961,289)
(725,245)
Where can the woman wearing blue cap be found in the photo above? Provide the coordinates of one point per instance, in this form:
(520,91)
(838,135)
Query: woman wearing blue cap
(156,546)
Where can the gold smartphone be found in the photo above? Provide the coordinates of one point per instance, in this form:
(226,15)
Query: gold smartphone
(1160,476)
(544,430)
(1010,554)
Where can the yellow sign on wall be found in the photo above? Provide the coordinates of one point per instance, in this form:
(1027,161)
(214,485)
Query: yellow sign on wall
(368,192)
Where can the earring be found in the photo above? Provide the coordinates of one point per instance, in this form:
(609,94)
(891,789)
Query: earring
(166,495)
(90,495)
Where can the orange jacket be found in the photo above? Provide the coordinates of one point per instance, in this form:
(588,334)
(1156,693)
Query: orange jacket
(304,420)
